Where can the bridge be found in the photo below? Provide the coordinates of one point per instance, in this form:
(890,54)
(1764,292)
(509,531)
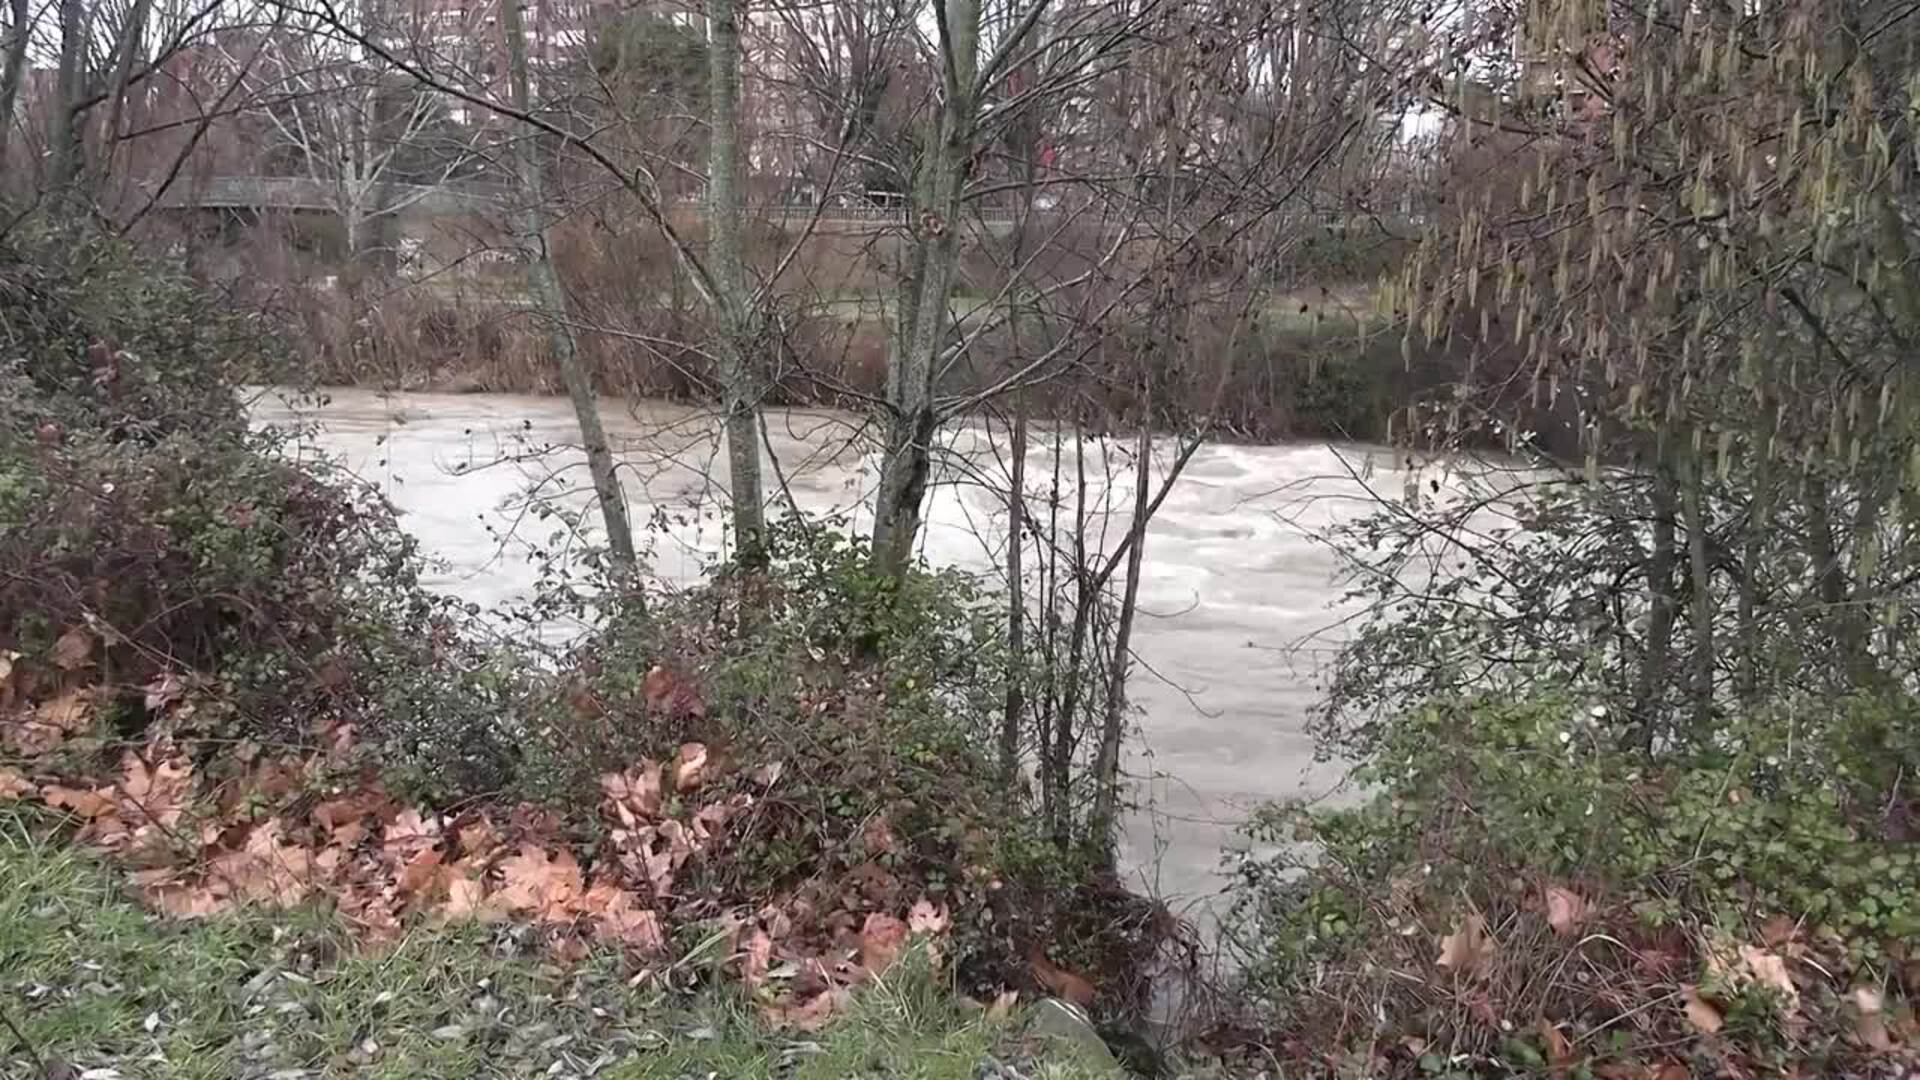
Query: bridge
(307,194)
(303,194)
(457,197)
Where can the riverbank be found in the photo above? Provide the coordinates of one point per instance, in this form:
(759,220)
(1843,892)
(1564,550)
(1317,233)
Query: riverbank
(1231,684)
(1318,365)
(220,671)
(96,987)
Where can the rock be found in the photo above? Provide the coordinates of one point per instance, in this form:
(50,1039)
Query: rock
(1063,1022)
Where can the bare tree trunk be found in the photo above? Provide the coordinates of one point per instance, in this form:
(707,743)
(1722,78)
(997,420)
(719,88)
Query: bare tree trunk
(738,342)
(1700,575)
(1049,572)
(1873,493)
(1011,722)
(63,135)
(1759,505)
(552,300)
(1652,681)
(124,51)
(1831,587)
(14,68)
(1086,593)
(911,419)
(1106,771)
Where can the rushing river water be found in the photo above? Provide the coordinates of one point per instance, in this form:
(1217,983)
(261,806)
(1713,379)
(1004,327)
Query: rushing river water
(1234,592)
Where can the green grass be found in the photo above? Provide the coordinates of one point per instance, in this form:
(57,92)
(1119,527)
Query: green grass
(92,981)
(902,1027)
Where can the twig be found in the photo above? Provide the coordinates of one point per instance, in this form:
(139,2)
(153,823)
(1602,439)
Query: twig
(26,1044)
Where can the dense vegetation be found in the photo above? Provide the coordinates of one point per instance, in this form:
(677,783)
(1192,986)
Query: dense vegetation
(1630,709)
(1637,721)
(217,666)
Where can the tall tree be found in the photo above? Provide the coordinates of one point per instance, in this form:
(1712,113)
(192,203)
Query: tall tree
(551,297)
(925,293)
(13,66)
(373,145)
(739,340)
(1683,236)
(129,44)
(64,145)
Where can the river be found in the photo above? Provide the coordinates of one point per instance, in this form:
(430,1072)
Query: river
(1234,592)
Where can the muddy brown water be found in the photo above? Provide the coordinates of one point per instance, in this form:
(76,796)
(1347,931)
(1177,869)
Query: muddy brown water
(1239,608)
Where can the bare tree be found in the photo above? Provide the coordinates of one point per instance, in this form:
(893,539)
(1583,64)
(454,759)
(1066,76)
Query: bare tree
(924,294)
(129,43)
(13,66)
(372,143)
(552,300)
(64,147)
(740,366)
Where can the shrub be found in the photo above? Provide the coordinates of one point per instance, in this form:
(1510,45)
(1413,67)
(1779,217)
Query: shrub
(1788,836)
(879,706)
(152,546)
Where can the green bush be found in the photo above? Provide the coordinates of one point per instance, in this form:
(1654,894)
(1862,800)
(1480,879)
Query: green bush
(139,512)
(108,340)
(879,703)
(1479,805)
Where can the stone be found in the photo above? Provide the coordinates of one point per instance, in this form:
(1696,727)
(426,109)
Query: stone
(1066,1023)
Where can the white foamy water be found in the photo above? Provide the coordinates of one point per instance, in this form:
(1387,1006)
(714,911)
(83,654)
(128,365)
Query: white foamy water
(1234,582)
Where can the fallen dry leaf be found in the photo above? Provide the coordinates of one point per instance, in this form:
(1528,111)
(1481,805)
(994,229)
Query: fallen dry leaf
(1871,1025)
(160,791)
(269,870)
(163,690)
(690,768)
(537,885)
(756,959)
(1702,1014)
(810,1015)
(13,786)
(73,650)
(882,938)
(1769,969)
(1566,910)
(49,725)
(1559,1050)
(925,918)
(1467,948)
(634,794)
